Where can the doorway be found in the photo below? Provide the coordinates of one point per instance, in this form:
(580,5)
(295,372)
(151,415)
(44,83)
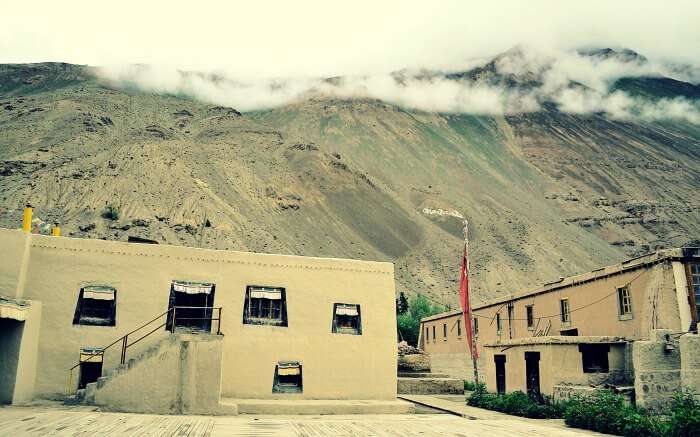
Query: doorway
(10,340)
(90,366)
(532,374)
(500,361)
(190,306)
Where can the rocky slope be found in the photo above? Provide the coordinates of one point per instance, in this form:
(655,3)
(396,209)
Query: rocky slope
(547,193)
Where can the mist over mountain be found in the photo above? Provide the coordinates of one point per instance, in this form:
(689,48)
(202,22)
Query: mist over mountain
(562,161)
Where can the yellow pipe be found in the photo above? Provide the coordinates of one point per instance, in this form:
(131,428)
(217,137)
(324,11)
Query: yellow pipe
(27,219)
(56,231)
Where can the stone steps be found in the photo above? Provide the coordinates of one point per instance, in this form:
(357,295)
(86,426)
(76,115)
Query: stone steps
(428,386)
(319,406)
(422,375)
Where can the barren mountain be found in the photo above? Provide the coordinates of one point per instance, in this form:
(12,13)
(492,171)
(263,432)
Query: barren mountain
(547,193)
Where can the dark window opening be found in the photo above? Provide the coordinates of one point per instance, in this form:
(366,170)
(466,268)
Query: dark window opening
(347,319)
(510,319)
(498,323)
(97,306)
(594,357)
(190,305)
(459,328)
(434,336)
(476,327)
(695,284)
(530,315)
(288,377)
(265,306)
(571,332)
(90,366)
(427,334)
(444,331)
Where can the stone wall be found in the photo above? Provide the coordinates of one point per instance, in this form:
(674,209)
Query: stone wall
(657,365)
(690,362)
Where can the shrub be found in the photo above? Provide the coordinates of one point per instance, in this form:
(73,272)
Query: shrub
(684,417)
(111,212)
(516,403)
(469,386)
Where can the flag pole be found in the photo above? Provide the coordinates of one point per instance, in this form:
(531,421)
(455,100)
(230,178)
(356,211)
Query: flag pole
(468,308)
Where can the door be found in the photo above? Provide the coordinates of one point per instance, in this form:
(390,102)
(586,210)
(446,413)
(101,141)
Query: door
(192,302)
(532,374)
(500,361)
(89,372)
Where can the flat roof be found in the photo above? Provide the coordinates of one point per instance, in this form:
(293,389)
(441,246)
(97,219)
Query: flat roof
(571,281)
(558,340)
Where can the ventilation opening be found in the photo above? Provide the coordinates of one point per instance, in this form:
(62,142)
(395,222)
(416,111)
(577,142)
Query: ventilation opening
(265,306)
(571,332)
(192,303)
(347,319)
(96,306)
(90,365)
(288,377)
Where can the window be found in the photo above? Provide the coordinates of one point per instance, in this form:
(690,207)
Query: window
(565,314)
(346,319)
(427,334)
(96,306)
(594,357)
(476,327)
(287,377)
(459,328)
(624,303)
(265,306)
(191,304)
(510,319)
(444,331)
(695,281)
(530,315)
(498,323)
(571,332)
(434,333)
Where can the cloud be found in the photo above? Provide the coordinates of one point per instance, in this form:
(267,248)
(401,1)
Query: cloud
(576,83)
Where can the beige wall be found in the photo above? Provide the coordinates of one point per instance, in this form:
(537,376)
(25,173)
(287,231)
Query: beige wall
(334,365)
(559,363)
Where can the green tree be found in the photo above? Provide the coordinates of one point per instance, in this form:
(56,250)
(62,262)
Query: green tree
(408,323)
(402,304)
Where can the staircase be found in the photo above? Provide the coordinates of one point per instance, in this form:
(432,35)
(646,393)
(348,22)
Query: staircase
(415,378)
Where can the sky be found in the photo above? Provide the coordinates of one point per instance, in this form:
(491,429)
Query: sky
(304,38)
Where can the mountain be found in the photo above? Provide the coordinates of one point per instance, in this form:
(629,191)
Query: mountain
(547,192)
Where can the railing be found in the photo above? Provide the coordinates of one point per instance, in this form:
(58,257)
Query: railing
(170,324)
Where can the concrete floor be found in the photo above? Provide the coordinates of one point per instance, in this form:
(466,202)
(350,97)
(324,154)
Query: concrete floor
(84,421)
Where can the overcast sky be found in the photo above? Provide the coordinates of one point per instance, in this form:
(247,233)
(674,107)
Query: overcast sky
(325,38)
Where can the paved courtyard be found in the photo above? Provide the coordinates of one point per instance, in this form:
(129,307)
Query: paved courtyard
(82,421)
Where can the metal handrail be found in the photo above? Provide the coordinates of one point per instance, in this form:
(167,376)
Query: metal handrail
(124,339)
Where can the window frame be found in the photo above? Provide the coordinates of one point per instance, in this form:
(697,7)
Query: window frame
(354,330)
(530,317)
(588,350)
(249,302)
(80,319)
(624,303)
(694,286)
(433,333)
(279,387)
(565,315)
(499,328)
(476,327)
(459,328)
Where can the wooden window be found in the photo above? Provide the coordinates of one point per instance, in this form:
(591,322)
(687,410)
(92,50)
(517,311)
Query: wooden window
(695,285)
(265,306)
(565,312)
(530,316)
(97,306)
(624,303)
(346,319)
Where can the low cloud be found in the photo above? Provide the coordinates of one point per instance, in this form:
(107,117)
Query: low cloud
(518,81)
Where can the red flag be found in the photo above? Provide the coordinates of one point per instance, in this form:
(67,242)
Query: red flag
(464,296)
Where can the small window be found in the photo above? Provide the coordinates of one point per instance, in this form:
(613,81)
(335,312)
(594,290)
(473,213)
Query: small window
(498,323)
(96,306)
(346,319)
(459,328)
(288,378)
(434,336)
(530,315)
(695,282)
(265,306)
(444,331)
(427,334)
(594,357)
(624,302)
(571,332)
(565,314)
(476,327)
